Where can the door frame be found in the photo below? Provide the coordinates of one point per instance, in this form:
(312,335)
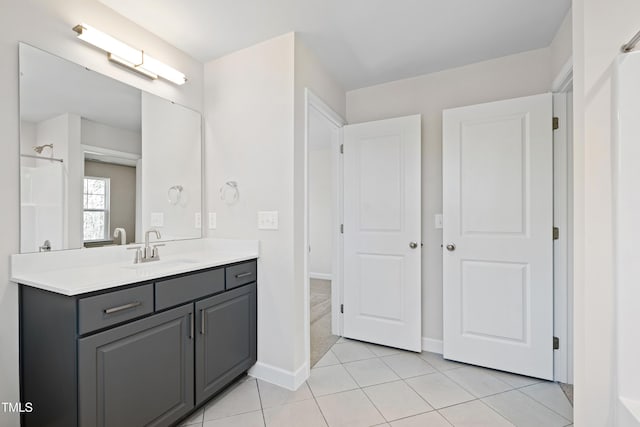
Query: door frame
(563,219)
(311,100)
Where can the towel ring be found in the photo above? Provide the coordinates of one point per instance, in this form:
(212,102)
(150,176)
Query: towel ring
(229,192)
(174,194)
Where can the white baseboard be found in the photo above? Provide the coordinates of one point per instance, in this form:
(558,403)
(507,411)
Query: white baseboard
(280,377)
(321,276)
(431,345)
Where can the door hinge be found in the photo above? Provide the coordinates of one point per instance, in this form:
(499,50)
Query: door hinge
(556,123)
(341,228)
(556,343)
(341,308)
(556,233)
(341,148)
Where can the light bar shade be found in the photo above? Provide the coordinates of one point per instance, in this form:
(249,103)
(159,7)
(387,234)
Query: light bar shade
(128,56)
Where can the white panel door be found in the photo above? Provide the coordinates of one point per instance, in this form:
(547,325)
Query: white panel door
(382,202)
(498,240)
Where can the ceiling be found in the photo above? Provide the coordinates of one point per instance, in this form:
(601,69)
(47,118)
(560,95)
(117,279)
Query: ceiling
(50,86)
(360,42)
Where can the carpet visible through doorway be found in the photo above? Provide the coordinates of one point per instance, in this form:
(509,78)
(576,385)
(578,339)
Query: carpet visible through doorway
(320,315)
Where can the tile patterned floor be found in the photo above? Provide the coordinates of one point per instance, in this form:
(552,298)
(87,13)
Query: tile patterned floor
(357,384)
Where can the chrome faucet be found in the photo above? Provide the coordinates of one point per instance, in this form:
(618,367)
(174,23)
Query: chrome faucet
(151,253)
(147,253)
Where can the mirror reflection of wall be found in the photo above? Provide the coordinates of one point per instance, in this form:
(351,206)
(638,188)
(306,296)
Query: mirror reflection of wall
(84,178)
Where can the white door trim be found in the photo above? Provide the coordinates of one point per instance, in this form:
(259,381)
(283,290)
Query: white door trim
(314,101)
(562,88)
(562,248)
(564,80)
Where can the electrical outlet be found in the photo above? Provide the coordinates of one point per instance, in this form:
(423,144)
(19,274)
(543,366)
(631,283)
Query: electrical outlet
(268,220)
(438,221)
(198,220)
(157,219)
(213,221)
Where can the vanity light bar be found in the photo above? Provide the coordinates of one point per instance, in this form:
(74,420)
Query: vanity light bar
(128,56)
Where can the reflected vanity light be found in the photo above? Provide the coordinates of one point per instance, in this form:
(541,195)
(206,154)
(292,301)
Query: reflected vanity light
(128,56)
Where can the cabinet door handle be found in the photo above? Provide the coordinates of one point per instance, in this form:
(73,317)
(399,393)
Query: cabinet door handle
(191,326)
(241,275)
(122,307)
(202,321)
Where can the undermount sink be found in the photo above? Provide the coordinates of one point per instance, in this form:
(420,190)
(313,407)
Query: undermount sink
(171,263)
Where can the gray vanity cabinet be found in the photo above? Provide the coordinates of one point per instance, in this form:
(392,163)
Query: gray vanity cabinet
(145,354)
(226,339)
(138,374)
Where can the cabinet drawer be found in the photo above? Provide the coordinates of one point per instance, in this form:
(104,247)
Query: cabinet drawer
(241,274)
(114,307)
(173,292)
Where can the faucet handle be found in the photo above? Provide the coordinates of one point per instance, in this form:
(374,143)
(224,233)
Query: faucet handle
(154,250)
(138,256)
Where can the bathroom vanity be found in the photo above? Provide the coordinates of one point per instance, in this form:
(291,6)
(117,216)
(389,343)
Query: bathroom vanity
(124,344)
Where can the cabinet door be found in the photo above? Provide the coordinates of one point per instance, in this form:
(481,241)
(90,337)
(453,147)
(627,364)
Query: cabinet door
(226,339)
(138,374)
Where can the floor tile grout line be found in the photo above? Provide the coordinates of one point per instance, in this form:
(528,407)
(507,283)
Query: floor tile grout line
(315,399)
(264,419)
(445,418)
(411,376)
(541,403)
(366,395)
(511,388)
(416,391)
(362,389)
(500,414)
(484,370)
(411,416)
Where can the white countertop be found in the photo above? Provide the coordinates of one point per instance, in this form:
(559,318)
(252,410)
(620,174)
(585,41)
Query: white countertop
(78,271)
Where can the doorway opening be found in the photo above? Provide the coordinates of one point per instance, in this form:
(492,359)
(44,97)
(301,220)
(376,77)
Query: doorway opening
(323,242)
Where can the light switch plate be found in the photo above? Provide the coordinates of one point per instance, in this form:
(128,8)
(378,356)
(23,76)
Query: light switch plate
(268,220)
(213,221)
(438,220)
(157,219)
(197,223)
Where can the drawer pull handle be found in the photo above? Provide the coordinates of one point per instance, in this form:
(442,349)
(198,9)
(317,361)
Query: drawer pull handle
(241,275)
(202,322)
(122,307)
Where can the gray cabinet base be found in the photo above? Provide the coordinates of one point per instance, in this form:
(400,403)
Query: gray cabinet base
(153,370)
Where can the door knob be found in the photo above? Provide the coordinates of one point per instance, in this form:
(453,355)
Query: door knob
(413,245)
(451,247)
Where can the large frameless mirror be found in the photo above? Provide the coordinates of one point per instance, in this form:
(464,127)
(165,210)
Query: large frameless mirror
(101,162)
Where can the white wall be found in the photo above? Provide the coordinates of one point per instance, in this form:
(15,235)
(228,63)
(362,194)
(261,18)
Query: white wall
(171,156)
(600,27)
(254,113)
(109,137)
(28,140)
(249,139)
(513,76)
(47,24)
(320,209)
